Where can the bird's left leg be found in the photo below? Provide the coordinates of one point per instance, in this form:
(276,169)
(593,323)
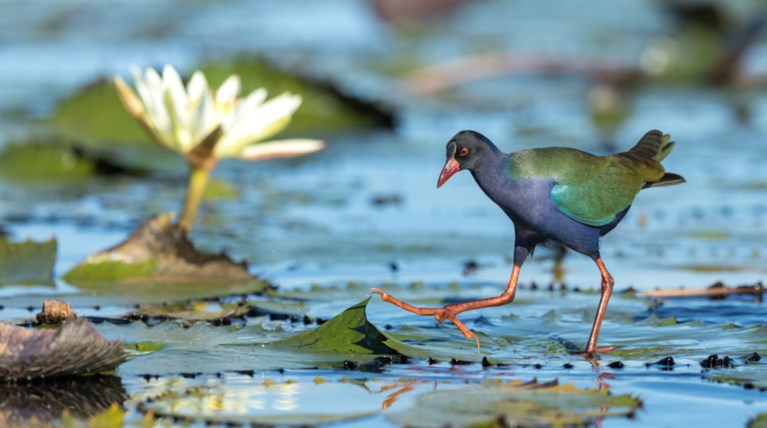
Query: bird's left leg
(450,312)
(607,289)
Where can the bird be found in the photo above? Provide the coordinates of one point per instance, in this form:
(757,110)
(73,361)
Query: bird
(553,195)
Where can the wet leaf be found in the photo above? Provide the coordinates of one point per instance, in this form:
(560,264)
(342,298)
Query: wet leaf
(515,404)
(752,375)
(266,404)
(27,262)
(75,348)
(760,421)
(348,333)
(159,250)
(193,311)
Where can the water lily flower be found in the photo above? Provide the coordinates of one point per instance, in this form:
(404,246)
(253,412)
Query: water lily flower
(206,125)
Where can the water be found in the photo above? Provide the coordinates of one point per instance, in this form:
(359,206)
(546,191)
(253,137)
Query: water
(316,220)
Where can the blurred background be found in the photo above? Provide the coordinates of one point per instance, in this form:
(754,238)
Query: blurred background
(386,83)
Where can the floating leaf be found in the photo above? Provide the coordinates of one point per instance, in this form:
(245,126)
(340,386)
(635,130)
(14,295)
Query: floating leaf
(27,262)
(760,421)
(193,311)
(159,250)
(265,404)
(515,404)
(43,162)
(348,333)
(324,108)
(75,348)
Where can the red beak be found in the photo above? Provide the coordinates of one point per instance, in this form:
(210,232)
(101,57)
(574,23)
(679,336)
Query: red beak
(451,167)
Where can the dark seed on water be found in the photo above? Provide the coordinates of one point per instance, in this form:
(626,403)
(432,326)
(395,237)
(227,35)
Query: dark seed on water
(485,362)
(567,366)
(457,362)
(538,366)
(615,365)
(666,362)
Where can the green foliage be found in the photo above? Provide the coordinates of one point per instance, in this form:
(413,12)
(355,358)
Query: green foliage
(34,161)
(109,270)
(96,114)
(760,421)
(323,110)
(350,332)
(27,262)
(515,404)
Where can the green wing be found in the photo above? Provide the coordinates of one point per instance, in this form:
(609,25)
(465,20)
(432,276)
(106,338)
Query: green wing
(594,189)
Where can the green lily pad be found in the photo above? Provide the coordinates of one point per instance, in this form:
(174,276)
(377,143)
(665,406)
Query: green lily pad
(27,262)
(324,108)
(349,333)
(32,161)
(760,421)
(515,404)
(752,375)
(263,403)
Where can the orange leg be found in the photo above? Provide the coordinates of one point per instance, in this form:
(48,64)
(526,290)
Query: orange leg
(449,312)
(607,289)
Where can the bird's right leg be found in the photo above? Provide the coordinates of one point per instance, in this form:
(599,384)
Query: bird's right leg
(450,312)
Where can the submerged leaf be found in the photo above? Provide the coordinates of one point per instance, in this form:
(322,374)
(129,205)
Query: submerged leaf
(515,404)
(75,348)
(27,262)
(159,250)
(347,333)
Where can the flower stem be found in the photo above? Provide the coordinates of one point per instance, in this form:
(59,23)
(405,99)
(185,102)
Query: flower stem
(198,181)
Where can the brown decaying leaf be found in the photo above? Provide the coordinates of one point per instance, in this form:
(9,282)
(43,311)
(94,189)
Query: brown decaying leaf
(75,348)
(55,312)
(160,239)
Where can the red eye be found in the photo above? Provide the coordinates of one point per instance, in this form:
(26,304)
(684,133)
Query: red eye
(464,151)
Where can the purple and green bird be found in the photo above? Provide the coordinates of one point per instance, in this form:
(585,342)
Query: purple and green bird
(553,195)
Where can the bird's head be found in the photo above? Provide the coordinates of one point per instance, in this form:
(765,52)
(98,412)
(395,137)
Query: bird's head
(465,151)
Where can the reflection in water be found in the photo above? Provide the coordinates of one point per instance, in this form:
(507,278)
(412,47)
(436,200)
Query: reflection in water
(46,401)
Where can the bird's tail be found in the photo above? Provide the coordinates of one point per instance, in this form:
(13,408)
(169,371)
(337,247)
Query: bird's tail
(654,145)
(647,154)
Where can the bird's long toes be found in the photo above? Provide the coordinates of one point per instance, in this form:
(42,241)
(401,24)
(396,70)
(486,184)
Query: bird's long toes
(378,291)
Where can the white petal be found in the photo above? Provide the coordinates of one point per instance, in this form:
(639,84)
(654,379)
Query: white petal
(197,86)
(229,90)
(281,149)
(178,111)
(256,124)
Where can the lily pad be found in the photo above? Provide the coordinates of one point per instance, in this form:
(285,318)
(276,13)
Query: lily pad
(325,108)
(349,333)
(43,162)
(27,262)
(75,348)
(516,404)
